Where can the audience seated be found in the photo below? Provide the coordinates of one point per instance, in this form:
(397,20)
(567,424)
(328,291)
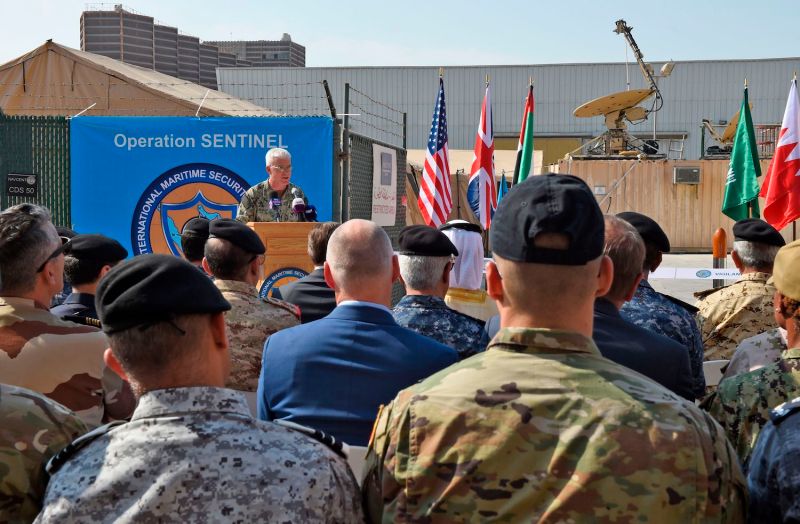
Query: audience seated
(541,427)
(191,451)
(332,374)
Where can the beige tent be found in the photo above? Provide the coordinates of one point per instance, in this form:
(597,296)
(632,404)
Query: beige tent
(57,80)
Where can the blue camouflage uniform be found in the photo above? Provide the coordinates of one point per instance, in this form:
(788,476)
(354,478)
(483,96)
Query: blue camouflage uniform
(774,477)
(654,311)
(430,316)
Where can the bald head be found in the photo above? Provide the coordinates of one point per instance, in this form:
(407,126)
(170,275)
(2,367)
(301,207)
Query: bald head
(360,258)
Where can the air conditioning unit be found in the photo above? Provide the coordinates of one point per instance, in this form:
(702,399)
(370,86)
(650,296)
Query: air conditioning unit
(686,175)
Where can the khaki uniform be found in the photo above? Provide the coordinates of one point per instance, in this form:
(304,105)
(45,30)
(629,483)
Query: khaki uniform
(196,455)
(254,206)
(742,404)
(473,302)
(61,360)
(541,428)
(250,322)
(33,428)
(733,313)
(757,352)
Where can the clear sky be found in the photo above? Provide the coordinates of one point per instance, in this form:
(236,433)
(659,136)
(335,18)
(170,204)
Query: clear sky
(447,32)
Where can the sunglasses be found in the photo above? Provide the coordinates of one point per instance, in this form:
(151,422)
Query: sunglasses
(58,251)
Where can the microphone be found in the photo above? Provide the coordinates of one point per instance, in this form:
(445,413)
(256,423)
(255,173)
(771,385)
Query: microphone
(310,214)
(298,205)
(275,204)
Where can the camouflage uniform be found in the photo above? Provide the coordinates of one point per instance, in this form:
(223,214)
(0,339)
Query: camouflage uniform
(652,310)
(196,455)
(32,429)
(60,359)
(733,313)
(741,404)
(430,316)
(541,428)
(774,477)
(254,206)
(250,322)
(757,352)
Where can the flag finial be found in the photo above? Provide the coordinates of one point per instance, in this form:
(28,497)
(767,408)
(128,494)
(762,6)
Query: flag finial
(441,72)
(745,82)
(530,80)
(795,77)
(487,79)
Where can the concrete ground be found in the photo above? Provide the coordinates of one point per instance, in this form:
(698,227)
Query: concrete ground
(684,289)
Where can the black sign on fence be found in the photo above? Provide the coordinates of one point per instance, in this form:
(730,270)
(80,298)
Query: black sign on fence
(24,185)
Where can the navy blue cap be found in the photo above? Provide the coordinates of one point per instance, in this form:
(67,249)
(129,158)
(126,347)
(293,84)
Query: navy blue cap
(425,241)
(648,229)
(548,203)
(756,230)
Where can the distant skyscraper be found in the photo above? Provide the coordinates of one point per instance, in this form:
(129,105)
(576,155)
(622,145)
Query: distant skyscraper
(136,39)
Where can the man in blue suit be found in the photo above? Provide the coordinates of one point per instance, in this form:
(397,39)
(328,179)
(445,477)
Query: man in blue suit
(332,374)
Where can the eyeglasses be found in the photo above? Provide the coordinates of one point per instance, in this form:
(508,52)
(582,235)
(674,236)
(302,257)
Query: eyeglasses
(281,168)
(58,251)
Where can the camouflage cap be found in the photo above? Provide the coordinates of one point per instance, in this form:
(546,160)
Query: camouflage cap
(786,271)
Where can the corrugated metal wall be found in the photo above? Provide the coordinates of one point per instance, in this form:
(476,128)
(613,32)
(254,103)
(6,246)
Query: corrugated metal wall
(695,90)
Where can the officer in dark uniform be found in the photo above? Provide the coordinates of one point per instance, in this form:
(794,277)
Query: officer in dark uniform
(87,258)
(426,258)
(774,478)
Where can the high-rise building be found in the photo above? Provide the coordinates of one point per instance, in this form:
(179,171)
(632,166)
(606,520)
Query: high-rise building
(266,53)
(136,39)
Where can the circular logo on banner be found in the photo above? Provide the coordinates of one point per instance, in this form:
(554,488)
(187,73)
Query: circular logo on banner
(178,195)
(280,277)
(703,273)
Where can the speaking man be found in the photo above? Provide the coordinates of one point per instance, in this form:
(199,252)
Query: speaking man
(275,199)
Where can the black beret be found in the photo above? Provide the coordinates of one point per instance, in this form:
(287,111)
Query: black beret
(425,241)
(756,230)
(648,229)
(95,247)
(460,224)
(237,234)
(154,288)
(196,227)
(548,204)
(64,231)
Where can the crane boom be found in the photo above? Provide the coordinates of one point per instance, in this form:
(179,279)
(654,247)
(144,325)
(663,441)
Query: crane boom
(622,28)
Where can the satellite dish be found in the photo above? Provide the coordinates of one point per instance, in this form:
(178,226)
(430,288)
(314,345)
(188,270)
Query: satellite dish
(613,102)
(726,138)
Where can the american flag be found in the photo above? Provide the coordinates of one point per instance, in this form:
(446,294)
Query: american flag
(481,190)
(435,201)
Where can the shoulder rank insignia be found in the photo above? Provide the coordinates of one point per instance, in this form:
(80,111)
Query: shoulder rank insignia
(84,321)
(781,412)
(63,456)
(291,308)
(338,447)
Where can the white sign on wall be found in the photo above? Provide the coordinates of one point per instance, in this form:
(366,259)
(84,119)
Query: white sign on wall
(384,185)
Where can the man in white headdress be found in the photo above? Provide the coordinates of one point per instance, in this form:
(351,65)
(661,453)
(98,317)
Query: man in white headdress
(466,292)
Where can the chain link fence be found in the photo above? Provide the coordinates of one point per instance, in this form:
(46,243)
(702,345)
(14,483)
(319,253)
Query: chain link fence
(37,145)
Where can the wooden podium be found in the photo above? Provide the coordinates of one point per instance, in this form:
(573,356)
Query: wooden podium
(287,252)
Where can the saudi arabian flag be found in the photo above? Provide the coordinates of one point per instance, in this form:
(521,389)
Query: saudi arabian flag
(741,187)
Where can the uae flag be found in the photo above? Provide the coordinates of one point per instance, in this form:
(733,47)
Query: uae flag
(524,166)
(781,188)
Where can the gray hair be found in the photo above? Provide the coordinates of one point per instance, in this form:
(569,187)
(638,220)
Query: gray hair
(25,243)
(359,251)
(755,254)
(625,247)
(422,273)
(276,152)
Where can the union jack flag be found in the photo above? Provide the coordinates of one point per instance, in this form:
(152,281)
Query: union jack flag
(481,190)
(435,200)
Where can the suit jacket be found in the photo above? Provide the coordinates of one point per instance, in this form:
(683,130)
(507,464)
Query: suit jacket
(76,304)
(654,356)
(334,373)
(311,294)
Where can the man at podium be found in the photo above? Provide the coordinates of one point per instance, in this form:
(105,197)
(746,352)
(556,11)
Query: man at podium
(276,198)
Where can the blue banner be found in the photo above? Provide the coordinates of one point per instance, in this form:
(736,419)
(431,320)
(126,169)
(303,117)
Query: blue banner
(139,179)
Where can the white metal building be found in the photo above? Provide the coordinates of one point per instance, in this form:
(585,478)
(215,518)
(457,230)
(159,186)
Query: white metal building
(695,90)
